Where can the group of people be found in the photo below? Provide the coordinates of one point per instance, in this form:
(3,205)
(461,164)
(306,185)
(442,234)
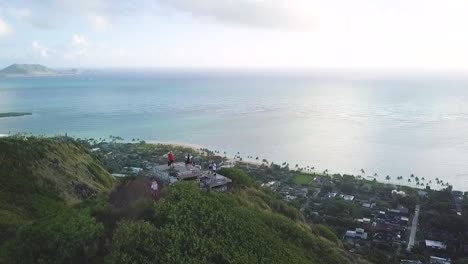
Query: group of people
(189,161)
(212,167)
(171,159)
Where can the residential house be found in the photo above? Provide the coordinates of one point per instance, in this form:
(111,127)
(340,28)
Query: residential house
(435,245)
(437,260)
(358,233)
(347,197)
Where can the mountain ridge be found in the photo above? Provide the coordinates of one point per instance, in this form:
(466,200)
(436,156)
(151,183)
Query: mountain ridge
(54,209)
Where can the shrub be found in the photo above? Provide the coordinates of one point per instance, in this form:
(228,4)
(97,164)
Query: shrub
(326,233)
(69,237)
(238,177)
(135,242)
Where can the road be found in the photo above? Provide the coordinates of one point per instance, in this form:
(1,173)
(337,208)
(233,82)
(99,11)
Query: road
(414,228)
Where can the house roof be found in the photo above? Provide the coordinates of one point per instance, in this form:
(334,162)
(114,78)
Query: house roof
(435,244)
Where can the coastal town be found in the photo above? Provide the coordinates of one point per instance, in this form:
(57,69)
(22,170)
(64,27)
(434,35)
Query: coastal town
(383,222)
(387,222)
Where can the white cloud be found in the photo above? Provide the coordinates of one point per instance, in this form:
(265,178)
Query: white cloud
(40,50)
(5,29)
(77,48)
(79,41)
(99,22)
(288,14)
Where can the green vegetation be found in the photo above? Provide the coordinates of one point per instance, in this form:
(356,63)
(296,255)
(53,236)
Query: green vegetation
(326,233)
(116,155)
(209,227)
(41,176)
(68,237)
(13,114)
(54,209)
(303,179)
(238,177)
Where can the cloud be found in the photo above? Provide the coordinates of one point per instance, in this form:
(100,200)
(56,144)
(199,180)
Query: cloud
(99,22)
(285,14)
(53,14)
(5,29)
(40,50)
(78,47)
(100,14)
(79,41)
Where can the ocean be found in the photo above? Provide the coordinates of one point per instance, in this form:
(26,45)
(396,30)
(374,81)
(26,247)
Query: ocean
(385,123)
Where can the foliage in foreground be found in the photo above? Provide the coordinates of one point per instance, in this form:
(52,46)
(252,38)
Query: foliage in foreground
(68,237)
(190,226)
(40,176)
(186,225)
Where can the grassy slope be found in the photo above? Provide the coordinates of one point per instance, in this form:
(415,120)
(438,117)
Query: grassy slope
(192,226)
(41,175)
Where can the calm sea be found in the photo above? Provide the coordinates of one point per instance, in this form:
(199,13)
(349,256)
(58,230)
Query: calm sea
(383,123)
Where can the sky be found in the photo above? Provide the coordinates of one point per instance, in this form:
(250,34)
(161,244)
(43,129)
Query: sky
(342,34)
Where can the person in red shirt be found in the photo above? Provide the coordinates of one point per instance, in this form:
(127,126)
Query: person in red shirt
(170,158)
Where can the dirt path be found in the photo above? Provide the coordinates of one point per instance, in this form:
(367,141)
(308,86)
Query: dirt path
(132,191)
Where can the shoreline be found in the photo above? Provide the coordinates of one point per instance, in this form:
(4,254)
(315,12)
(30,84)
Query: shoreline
(249,161)
(231,158)
(194,147)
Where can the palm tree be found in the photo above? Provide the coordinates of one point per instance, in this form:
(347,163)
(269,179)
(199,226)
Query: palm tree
(387,178)
(400,178)
(409,180)
(412,175)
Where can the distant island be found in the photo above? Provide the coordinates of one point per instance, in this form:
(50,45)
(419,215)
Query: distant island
(14,114)
(27,70)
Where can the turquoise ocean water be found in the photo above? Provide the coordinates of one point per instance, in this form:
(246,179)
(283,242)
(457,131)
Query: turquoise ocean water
(384,123)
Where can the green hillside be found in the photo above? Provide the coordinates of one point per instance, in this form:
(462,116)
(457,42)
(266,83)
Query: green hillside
(26,70)
(51,212)
(189,226)
(40,175)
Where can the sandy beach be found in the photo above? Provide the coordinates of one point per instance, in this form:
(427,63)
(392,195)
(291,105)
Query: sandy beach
(195,147)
